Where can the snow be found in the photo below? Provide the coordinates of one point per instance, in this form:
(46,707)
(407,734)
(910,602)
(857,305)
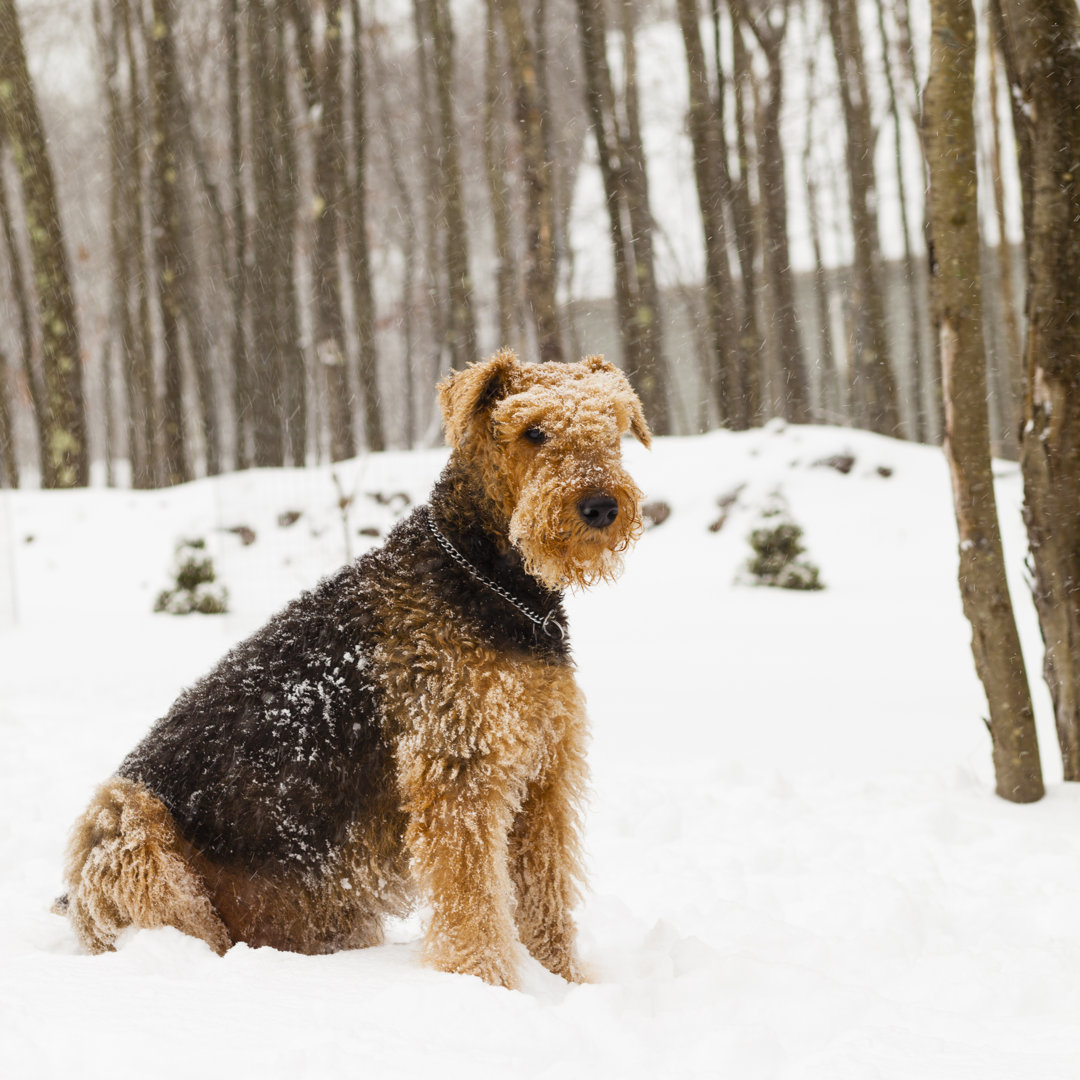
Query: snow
(798,866)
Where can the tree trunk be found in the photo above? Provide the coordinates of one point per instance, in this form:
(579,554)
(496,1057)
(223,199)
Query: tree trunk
(240,378)
(23,304)
(949,130)
(706,137)
(434,203)
(495,169)
(1011,400)
(650,377)
(460,330)
(9,467)
(751,347)
(773,186)
(121,161)
(407,215)
(329,190)
(171,265)
(537,182)
(66,459)
(359,257)
(872,355)
(147,467)
(1042,49)
(919,366)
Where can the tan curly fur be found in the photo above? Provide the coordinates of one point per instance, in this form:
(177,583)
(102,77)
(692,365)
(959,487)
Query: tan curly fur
(473,772)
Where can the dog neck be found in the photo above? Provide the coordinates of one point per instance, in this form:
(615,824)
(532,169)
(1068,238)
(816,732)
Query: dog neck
(479,530)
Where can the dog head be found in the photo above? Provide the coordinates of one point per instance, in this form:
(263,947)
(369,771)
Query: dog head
(546,441)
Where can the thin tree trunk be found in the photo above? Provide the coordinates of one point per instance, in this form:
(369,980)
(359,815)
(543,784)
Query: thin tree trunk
(407,215)
(66,457)
(151,468)
(831,408)
(434,201)
(706,138)
(238,356)
(537,181)
(599,95)
(1042,51)
(171,265)
(9,466)
(495,169)
(872,355)
(1011,400)
(650,378)
(751,347)
(773,185)
(23,305)
(949,130)
(919,367)
(329,190)
(359,257)
(460,330)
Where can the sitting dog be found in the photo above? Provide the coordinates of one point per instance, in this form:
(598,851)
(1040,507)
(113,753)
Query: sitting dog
(410,728)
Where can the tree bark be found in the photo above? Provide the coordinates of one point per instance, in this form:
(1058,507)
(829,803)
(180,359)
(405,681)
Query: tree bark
(460,329)
(237,269)
(773,185)
(495,169)
(650,377)
(65,458)
(23,305)
(537,180)
(949,131)
(706,137)
(147,467)
(872,355)
(9,466)
(168,252)
(359,256)
(1042,51)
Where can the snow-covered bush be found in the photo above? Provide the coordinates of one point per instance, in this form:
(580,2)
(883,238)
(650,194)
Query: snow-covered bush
(196,588)
(777,544)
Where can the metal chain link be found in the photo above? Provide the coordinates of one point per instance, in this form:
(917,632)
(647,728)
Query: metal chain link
(548,623)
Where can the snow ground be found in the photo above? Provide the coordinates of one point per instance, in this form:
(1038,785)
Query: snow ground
(798,867)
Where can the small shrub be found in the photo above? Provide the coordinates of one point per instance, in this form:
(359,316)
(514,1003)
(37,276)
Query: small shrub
(197,589)
(777,545)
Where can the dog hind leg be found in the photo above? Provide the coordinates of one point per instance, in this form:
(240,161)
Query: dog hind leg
(125,867)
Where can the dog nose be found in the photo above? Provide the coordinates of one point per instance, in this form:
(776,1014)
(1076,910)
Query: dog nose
(598,511)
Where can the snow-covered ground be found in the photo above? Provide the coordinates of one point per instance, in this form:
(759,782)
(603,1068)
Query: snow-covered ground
(798,867)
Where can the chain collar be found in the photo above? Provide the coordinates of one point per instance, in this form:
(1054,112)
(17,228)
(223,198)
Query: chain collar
(548,623)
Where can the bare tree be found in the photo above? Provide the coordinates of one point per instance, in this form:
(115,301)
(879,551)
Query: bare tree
(460,328)
(949,131)
(706,133)
(537,180)
(65,455)
(168,255)
(873,356)
(1042,53)
(359,256)
(769,27)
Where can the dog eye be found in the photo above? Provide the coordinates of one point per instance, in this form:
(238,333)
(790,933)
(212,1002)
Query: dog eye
(536,436)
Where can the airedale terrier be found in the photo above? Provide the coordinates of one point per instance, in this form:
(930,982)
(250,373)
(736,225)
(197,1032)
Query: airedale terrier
(410,728)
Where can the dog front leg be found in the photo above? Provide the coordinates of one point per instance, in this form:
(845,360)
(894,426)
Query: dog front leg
(545,864)
(460,813)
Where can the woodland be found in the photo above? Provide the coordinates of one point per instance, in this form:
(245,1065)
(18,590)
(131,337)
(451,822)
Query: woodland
(254,233)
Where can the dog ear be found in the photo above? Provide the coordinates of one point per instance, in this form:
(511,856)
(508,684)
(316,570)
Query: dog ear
(638,425)
(465,395)
(596,363)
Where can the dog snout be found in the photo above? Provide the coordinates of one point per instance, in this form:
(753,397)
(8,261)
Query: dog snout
(598,510)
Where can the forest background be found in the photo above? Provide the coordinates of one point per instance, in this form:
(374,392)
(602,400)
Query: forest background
(256,232)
